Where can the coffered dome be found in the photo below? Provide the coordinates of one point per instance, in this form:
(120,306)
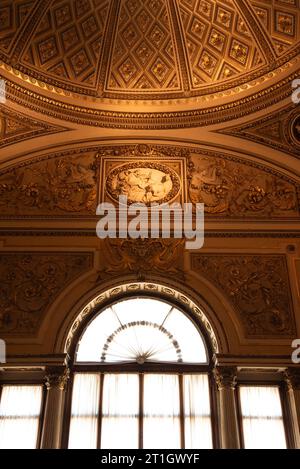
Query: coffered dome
(147,49)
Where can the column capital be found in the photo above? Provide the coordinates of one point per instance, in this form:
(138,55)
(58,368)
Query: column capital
(57,377)
(225,377)
(292,378)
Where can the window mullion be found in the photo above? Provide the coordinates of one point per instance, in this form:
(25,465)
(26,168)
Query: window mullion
(181,399)
(100,411)
(141,410)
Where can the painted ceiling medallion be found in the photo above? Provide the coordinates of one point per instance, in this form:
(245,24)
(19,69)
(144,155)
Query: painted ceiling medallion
(143,183)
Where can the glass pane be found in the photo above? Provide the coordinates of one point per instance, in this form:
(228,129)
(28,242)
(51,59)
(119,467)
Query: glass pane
(263,426)
(120,410)
(20,409)
(139,330)
(161,412)
(198,432)
(85,410)
(191,343)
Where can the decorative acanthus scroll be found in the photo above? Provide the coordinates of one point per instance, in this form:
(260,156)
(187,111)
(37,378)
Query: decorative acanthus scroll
(55,186)
(258,287)
(71,183)
(143,257)
(29,284)
(238,190)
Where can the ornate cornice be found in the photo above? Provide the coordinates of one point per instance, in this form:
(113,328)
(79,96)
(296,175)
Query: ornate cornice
(276,130)
(16,127)
(150,120)
(84,232)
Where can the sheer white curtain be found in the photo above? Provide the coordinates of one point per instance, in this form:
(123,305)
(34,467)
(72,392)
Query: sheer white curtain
(263,426)
(120,411)
(20,409)
(198,432)
(161,412)
(85,410)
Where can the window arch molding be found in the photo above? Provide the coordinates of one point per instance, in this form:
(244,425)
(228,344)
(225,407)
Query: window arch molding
(169,390)
(144,290)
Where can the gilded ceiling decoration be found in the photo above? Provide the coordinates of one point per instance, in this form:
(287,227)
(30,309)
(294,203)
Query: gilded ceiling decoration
(68,41)
(280,20)
(72,183)
(15,127)
(280,130)
(30,282)
(219,43)
(144,55)
(143,182)
(236,190)
(258,287)
(56,187)
(142,256)
(200,116)
(147,49)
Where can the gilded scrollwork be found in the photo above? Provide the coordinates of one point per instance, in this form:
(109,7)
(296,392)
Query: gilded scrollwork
(29,284)
(15,127)
(237,190)
(55,186)
(143,256)
(71,183)
(258,287)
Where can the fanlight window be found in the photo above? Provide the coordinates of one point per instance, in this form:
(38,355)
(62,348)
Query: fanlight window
(141,330)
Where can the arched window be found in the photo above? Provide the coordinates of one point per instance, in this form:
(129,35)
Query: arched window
(141,380)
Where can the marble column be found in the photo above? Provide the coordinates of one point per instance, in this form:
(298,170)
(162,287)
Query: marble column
(56,381)
(292,379)
(226,379)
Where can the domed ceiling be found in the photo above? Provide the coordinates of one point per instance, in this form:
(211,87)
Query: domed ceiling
(146,49)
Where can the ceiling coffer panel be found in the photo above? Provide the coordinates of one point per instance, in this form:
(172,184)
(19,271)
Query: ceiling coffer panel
(151,49)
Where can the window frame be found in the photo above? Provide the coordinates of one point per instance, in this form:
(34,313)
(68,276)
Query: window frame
(154,368)
(141,374)
(109,303)
(282,394)
(20,382)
